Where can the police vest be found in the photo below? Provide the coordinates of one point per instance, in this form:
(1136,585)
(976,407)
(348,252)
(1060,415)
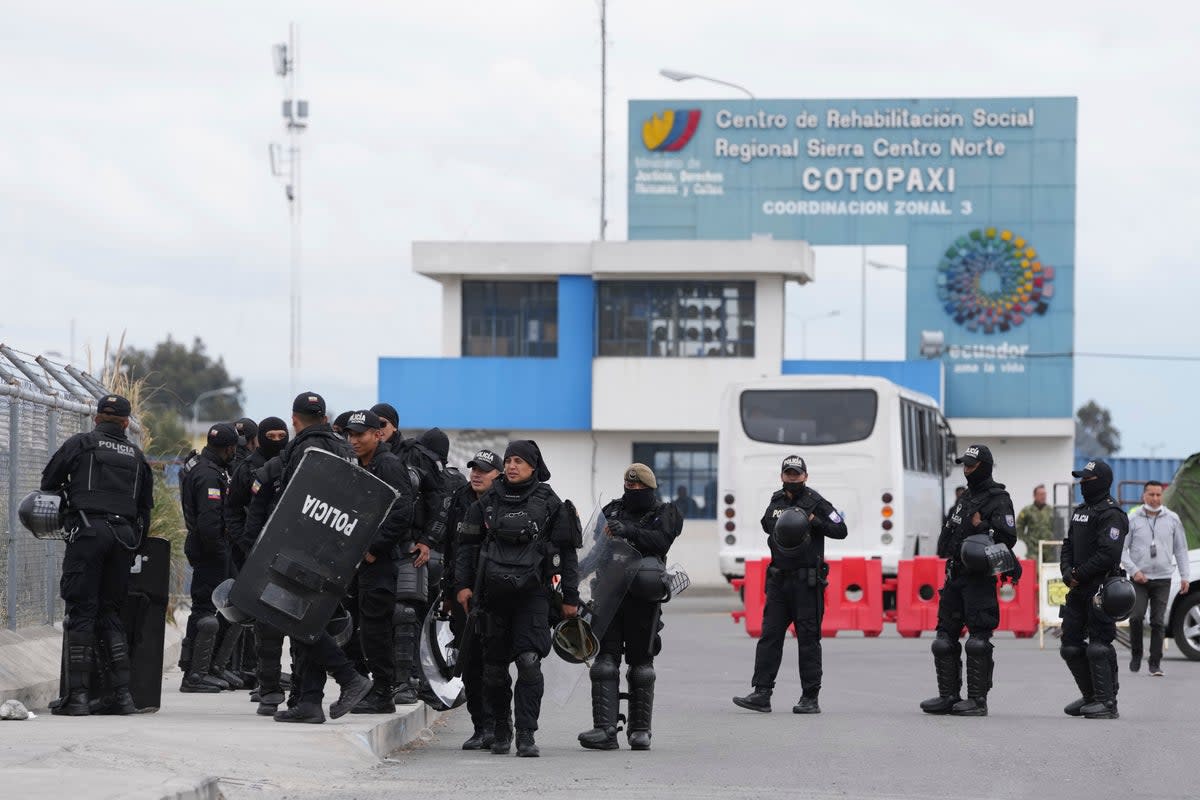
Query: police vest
(107,476)
(518,533)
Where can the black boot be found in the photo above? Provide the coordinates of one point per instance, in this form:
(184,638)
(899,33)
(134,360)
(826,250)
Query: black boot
(378,701)
(947,664)
(526,748)
(117,653)
(268,704)
(354,688)
(641,705)
(1077,662)
(807,705)
(310,713)
(502,737)
(197,678)
(80,648)
(606,700)
(1104,701)
(481,739)
(979,678)
(758,700)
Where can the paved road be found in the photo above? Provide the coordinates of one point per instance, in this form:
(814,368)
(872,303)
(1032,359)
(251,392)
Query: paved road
(870,742)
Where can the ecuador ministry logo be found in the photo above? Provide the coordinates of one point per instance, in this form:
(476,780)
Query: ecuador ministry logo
(671,130)
(993,280)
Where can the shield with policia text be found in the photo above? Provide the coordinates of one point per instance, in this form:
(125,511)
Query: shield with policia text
(312,544)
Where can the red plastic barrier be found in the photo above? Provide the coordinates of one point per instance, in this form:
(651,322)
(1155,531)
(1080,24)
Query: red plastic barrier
(754,596)
(1020,613)
(917,583)
(863,614)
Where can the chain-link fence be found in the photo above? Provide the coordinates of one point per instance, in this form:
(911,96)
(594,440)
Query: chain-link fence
(42,404)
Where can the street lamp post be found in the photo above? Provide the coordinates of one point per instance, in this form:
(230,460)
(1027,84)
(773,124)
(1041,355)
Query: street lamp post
(804,329)
(677,75)
(877,265)
(224,391)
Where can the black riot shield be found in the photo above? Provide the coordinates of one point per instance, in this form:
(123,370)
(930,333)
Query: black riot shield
(311,545)
(437,657)
(144,616)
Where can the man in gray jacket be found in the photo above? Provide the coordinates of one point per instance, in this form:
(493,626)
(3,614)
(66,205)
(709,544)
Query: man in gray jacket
(1155,547)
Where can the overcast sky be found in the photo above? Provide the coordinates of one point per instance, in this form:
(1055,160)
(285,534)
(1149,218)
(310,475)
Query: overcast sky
(135,192)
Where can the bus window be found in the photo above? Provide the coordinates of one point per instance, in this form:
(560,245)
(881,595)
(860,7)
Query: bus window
(808,416)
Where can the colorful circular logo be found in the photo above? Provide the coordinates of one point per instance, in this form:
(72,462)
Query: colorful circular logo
(992,281)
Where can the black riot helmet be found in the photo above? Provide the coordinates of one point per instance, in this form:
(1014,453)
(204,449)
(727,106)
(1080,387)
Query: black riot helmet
(649,582)
(574,641)
(43,514)
(792,529)
(231,613)
(983,556)
(1115,598)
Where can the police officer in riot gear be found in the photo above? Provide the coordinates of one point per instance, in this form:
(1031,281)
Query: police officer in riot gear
(264,488)
(969,595)
(484,468)
(651,526)
(110,492)
(313,661)
(246,460)
(795,586)
(202,494)
(391,422)
(1090,554)
(527,535)
(373,590)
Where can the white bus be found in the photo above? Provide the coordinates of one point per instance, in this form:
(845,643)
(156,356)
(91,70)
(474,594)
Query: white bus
(878,452)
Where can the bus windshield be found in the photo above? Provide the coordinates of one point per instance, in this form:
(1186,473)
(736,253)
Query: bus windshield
(808,416)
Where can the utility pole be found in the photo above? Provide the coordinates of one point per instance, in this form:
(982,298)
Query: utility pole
(603,117)
(287,167)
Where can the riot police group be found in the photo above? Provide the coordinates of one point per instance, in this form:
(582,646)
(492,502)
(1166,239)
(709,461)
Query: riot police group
(503,565)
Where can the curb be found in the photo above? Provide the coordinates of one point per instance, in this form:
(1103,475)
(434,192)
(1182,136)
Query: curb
(396,732)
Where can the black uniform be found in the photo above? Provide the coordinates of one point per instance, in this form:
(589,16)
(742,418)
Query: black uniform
(237,505)
(110,492)
(1091,553)
(527,534)
(472,668)
(796,589)
(268,641)
(635,628)
(969,599)
(202,494)
(372,591)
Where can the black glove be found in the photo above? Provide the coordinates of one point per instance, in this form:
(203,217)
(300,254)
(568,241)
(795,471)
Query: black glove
(617,528)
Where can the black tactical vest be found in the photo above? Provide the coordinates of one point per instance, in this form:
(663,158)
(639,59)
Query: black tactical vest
(107,476)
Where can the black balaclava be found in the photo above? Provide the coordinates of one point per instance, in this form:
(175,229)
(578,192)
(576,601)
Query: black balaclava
(528,451)
(268,448)
(981,477)
(436,440)
(1095,490)
(639,500)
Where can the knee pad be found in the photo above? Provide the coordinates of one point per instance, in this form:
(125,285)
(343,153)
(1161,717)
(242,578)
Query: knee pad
(495,675)
(979,646)
(944,646)
(1097,651)
(208,625)
(1072,652)
(640,675)
(529,666)
(404,614)
(604,667)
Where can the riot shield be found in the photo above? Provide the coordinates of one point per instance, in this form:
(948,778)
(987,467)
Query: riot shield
(144,616)
(438,655)
(311,545)
(607,566)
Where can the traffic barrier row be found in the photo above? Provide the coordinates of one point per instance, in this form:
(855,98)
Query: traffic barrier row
(855,590)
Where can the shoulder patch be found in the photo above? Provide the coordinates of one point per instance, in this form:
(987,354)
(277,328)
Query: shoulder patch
(1114,533)
(1009,521)
(254,487)
(214,494)
(835,517)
